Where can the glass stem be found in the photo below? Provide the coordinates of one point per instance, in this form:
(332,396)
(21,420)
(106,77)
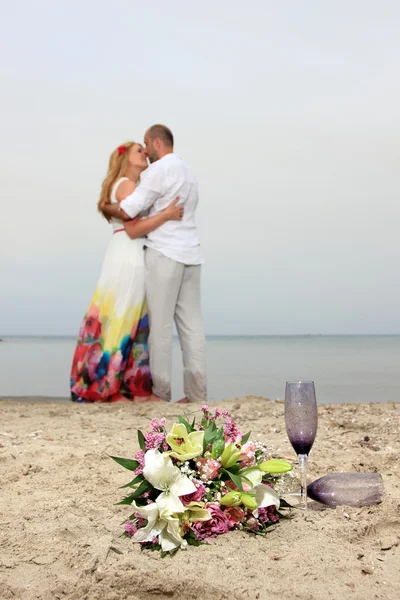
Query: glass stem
(303,461)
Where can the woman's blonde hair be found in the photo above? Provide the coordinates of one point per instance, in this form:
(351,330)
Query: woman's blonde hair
(117,167)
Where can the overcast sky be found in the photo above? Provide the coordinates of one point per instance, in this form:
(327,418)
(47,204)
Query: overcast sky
(287,111)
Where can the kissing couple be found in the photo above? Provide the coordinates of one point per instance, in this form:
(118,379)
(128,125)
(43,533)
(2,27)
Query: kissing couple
(150,279)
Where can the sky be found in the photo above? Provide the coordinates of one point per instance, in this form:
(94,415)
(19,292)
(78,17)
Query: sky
(288,113)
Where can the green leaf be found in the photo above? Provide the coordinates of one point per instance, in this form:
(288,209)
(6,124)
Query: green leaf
(150,546)
(131,465)
(245,438)
(217,448)
(234,469)
(142,442)
(133,482)
(193,423)
(139,502)
(219,444)
(193,542)
(209,434)
(235,478)
(145,486)
(188,426)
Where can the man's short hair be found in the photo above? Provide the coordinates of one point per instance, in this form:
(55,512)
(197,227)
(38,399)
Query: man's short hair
(163,133)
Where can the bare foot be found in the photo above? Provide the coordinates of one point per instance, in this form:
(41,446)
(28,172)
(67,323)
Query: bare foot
(151,398)
(183,401)
(119,398)
(141,398)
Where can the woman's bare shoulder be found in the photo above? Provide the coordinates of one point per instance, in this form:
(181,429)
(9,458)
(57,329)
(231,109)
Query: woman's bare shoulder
(124,189)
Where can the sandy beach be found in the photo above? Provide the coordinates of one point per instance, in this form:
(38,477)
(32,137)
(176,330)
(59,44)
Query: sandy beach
(60,529)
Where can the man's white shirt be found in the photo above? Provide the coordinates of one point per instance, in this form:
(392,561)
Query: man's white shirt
(164,181)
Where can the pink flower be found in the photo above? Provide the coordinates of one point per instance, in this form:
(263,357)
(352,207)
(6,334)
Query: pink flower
(130,528)
(154,440)
(141,522)
(268,514)
(230,485)
(194,496)
(248,457)
(139,456)
(208,468)
(218,524)
(157,425)
(235,515)
(221,413)
(231,432)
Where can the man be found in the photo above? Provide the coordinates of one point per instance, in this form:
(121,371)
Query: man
(173,265)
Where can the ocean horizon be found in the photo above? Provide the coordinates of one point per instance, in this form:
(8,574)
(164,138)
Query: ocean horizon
(345,368)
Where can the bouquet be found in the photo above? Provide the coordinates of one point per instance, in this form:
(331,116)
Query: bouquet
(199,480)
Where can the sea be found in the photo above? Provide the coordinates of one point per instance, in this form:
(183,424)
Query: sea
(344,368)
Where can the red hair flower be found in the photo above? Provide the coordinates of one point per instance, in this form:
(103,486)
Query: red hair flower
(121,149)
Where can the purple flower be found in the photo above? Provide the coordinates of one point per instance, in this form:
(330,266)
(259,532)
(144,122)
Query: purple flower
(219,523)
(194,496)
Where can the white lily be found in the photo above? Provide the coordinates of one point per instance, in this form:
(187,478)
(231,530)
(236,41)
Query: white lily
(265,496)
(254,476)
(163,475)
(161,524)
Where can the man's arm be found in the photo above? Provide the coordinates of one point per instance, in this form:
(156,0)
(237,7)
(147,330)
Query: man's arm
(142,198)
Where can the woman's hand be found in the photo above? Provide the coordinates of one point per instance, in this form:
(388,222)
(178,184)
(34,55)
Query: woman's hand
(174,212)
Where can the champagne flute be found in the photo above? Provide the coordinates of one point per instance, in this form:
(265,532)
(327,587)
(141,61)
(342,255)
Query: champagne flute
(301,419)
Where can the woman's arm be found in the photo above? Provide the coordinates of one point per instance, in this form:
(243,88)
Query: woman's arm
(138,228)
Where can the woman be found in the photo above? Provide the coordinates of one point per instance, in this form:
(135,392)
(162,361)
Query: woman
(111,360)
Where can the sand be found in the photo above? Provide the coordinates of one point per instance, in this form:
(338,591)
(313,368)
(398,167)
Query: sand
(60,528)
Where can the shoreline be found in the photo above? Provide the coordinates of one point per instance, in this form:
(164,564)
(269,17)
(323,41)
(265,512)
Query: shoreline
(60,526)
(40,399)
